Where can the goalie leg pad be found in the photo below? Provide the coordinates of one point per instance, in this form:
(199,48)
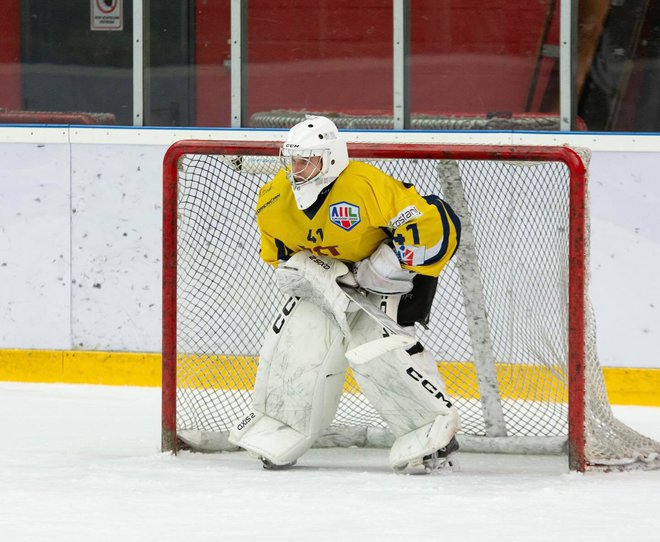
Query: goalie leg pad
(298,386)
(409,393)
(407,390)
(403,393)
(269,439)
(409,450)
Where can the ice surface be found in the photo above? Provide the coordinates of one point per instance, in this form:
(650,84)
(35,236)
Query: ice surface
(83,463)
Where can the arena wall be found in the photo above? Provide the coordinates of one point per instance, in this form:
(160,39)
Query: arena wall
(80,246)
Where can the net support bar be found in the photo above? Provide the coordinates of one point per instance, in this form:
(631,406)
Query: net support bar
(475,305)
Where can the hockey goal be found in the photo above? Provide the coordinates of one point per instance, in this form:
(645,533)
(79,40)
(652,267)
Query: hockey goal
(511,327)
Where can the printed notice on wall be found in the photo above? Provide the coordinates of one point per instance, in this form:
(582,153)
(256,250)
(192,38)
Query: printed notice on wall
(107,15)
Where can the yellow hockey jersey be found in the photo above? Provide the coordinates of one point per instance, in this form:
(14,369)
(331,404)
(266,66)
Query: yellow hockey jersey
(353,216)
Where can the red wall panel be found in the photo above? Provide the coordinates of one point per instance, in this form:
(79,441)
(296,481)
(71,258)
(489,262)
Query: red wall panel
(10,52)
(336,55)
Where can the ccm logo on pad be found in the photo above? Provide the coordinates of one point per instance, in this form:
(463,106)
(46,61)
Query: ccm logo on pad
(431,388)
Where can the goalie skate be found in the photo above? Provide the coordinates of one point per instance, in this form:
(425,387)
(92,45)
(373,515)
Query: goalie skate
(269,465)
(442,460)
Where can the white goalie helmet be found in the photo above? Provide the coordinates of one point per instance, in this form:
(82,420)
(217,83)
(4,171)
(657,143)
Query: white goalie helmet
(313,156)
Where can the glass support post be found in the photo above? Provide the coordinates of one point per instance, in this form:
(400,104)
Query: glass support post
(239,83)
(567,65)
(138,63)
(401,63)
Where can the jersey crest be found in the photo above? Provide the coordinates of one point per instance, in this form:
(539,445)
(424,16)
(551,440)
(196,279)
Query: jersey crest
(345,215)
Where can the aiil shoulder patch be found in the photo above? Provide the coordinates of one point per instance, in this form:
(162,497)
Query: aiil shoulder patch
(345,215)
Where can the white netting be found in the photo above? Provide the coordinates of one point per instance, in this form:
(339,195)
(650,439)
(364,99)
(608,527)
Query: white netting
(516,274)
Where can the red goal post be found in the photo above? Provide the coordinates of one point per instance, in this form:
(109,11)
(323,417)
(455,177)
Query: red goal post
(224,162)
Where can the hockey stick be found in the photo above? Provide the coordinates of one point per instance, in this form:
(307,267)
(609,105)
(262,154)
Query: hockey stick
(397,337)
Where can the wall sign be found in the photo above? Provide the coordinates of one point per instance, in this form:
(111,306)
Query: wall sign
(107,14)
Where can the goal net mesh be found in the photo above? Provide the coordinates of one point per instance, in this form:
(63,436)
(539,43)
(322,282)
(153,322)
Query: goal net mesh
(498,327)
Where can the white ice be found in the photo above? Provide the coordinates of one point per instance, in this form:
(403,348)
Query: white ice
(83,463)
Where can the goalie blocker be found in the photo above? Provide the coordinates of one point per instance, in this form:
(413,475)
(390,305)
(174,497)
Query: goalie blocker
(302,368)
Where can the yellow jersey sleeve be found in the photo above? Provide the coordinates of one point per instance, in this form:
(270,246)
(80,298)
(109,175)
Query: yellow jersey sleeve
(271,249)
(424,230)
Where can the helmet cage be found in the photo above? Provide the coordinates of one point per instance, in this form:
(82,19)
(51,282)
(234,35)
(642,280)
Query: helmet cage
(296,161)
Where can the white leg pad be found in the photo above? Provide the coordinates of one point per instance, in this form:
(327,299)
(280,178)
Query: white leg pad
(269,438)
(407,391)
(424,440)
(298,386)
